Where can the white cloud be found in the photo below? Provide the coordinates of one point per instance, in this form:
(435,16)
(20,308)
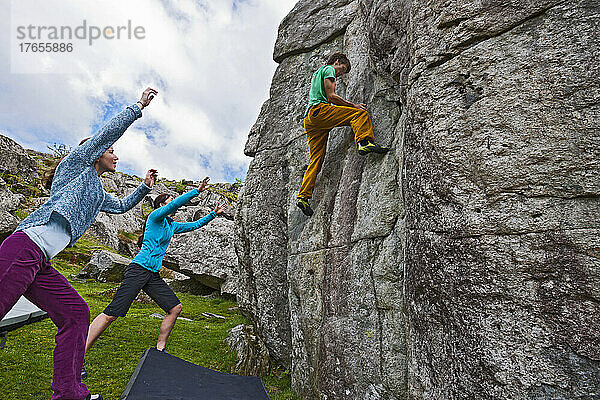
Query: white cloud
(211,62)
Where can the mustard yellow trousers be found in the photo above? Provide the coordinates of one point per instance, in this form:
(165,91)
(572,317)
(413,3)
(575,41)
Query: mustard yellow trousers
(320,120)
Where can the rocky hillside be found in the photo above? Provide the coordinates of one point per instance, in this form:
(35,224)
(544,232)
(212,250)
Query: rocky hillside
(205,257)
(465,264)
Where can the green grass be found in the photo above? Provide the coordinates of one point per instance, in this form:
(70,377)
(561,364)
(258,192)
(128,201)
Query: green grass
(231,197)
(279,385)
(178,187)
(129,236)
(26,361)
(17,185)
(80,254)
(21,214)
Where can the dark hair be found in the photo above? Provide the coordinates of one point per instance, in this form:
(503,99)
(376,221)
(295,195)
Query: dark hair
(160,199)
(49,174)
(341,57)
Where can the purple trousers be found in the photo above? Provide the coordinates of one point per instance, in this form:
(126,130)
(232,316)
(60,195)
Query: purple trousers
(24,271)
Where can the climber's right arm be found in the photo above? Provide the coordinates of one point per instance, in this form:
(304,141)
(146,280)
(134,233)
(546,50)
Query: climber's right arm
(335,99)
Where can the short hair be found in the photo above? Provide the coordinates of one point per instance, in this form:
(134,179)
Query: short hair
(341,57)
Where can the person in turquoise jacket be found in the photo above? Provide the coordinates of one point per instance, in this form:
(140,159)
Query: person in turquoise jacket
(143,272)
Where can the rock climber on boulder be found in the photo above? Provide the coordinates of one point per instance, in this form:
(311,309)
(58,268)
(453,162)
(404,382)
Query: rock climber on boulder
(327,110)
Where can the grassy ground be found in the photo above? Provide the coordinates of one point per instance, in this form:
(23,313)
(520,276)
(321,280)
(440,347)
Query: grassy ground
(26,361)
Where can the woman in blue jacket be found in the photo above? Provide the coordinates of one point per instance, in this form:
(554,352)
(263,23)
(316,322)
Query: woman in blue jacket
(143,272)
(76,198)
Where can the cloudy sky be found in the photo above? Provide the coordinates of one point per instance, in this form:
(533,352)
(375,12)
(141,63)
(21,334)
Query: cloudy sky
(210,60)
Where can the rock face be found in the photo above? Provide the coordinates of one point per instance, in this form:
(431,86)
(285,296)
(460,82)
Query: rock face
(8,223)
(9,202)
(15,161)
(105,266)
(207,254)
(183,283)
(20,169)
(252,354)
(465,263)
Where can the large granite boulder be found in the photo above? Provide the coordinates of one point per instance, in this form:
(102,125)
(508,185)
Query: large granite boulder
(8,223)
(16,162)
(207,254)
(252,355)
(9,202)
(105,266)
(464,263)
(183,283)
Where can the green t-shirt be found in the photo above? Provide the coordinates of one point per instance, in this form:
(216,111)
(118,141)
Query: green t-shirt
(317,86)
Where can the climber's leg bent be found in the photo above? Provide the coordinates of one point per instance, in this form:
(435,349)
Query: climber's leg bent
(329,116)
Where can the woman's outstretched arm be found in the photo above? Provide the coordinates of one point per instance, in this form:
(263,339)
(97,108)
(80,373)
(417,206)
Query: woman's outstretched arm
(114,205)
(92,149)
(176,203)
(182,227)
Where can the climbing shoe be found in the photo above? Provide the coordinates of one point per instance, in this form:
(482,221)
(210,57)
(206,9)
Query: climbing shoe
(304,206)
(84,373)
(366,147)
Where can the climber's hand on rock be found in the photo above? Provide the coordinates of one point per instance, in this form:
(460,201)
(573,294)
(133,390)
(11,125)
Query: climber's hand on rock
(361,106)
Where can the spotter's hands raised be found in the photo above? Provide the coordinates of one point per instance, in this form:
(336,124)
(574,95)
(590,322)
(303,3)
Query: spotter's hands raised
(203,184)
(147,97)
(150,177)
(220,209)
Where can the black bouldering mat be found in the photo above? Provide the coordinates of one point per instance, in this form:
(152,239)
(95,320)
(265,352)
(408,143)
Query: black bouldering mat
(161,376)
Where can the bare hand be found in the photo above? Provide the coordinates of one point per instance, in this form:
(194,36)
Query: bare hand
(147,96)
(203,184)
(220,209)
(361,106)
(151,177)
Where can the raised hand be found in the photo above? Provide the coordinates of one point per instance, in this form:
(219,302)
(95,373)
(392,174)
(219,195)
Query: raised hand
(151,177)
(147,96)
(203,184)
(220,209)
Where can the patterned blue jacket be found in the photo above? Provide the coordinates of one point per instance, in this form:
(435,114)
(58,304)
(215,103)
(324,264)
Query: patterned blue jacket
(77,193)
